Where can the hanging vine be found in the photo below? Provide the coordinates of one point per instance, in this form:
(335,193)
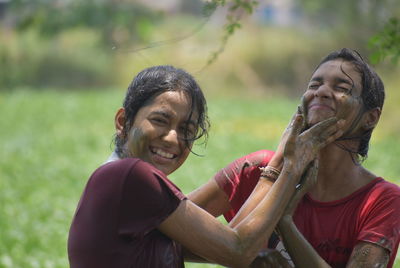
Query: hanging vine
(236,10)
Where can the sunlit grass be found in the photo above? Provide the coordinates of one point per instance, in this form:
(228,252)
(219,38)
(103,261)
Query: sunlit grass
(51,141)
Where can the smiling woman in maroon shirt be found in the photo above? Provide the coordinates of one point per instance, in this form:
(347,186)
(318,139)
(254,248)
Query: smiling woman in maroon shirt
(131,215)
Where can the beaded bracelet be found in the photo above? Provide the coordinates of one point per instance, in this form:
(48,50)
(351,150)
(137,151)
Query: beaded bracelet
(270,173)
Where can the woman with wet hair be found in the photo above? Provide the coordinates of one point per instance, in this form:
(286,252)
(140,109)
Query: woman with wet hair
(349,217)
(131,215)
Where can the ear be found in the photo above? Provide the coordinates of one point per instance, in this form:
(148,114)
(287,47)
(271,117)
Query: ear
(119,121)
(371,118)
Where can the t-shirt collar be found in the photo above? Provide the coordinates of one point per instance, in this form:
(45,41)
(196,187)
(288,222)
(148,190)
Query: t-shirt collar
(114,156)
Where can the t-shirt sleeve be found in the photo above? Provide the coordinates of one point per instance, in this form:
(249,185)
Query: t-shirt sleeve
(148,198)
(381,224)
(239,178)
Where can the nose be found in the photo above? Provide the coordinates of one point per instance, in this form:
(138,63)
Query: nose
(171,136)
(324,91)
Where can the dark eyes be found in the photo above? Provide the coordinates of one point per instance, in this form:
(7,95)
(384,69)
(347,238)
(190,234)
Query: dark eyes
(313,86)
(186,131)
(343,89)
(159,120)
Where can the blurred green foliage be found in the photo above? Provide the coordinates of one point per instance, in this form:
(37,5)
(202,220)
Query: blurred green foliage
(72,59)
(68,43)
(113,20)
(386,44)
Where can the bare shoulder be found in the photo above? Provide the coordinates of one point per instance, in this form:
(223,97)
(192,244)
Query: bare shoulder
(367,255)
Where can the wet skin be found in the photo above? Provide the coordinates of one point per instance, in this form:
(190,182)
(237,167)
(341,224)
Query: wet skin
(157,135)
(334,90)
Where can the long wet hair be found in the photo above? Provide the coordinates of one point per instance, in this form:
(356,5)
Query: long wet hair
(372,92)
(154,81)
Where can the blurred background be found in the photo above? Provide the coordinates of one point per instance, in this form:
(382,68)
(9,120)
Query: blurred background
(65,66)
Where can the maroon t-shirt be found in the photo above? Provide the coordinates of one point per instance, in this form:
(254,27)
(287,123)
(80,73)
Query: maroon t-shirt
(115,223)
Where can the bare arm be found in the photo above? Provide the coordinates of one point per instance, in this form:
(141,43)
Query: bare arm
(205,236)
(301,252)
(211,198)
(262,188)
(368,255)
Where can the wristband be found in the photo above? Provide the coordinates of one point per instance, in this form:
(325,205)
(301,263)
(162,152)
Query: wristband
(270,173)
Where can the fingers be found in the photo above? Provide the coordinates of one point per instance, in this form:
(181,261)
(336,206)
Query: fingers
(294,133)
(285,136)
(339,133)
(326,131)
(332,133)
(297,124)
(323,125)
(302,107)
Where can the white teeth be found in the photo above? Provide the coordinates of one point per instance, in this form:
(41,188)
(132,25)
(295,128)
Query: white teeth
(164,154)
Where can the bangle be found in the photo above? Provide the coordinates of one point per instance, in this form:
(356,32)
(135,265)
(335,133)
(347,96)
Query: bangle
(270,173)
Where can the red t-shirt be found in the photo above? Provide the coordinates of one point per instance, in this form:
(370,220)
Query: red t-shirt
(115,223)
(371,214)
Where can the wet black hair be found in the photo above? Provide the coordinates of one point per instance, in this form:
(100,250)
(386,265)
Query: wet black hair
(372,92)
(154,81)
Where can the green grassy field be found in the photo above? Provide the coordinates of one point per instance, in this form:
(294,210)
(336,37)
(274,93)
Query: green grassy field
(51,141)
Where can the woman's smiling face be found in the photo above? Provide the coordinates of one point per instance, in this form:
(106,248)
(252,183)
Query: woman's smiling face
(157,134)
(334,90)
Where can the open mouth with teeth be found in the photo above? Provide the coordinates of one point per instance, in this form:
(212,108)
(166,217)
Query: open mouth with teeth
(162,153)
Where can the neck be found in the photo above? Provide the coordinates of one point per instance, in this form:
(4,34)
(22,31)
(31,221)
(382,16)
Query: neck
(338,174)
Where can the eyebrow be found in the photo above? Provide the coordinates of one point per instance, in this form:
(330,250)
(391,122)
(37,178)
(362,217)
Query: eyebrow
(338,80)
(317,79)
(162,113)
(168,115)
(345,81)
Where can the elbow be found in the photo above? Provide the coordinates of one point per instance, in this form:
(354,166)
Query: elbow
(243,255)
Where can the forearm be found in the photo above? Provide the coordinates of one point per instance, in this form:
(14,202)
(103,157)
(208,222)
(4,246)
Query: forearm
(257,227)
(300,250)
(260,191)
